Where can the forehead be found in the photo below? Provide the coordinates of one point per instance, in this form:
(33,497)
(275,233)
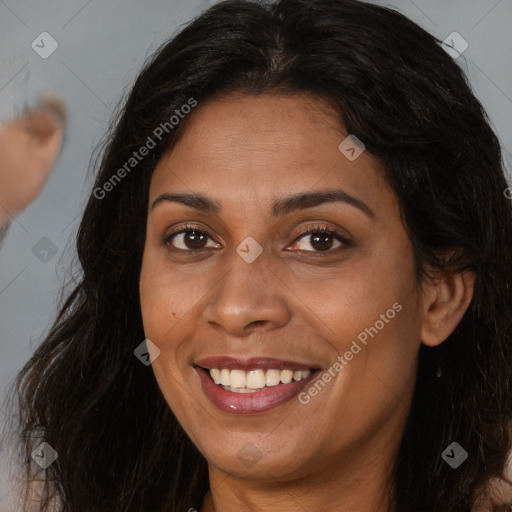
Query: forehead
(265,146)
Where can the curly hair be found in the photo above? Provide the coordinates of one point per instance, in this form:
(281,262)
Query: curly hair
(393,85)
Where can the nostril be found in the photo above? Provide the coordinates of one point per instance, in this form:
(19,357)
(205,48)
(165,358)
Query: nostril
(256,322)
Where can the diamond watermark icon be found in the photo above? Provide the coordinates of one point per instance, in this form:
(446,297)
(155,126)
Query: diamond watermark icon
(146,352)
(249,454)
(44,45)
(44,455)
(454,455)
(455,45)
(351,147)
(249,249)
(44,250)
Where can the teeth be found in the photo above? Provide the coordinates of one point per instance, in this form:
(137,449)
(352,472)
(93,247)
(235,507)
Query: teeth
(241,390)
(255,379)
(225,377)
(273,377)
(286,376)
(240,381)
(215,374)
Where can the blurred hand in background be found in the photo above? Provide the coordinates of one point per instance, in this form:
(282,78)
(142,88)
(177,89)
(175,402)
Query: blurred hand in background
(29,147)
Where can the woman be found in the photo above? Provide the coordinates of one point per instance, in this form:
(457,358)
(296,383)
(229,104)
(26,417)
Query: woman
(296,287)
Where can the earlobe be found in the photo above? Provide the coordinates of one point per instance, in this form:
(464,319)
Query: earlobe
(446,299)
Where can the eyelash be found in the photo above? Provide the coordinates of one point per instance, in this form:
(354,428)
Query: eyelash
(318,229)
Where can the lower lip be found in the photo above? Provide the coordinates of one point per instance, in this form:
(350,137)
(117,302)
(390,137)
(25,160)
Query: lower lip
(251,403)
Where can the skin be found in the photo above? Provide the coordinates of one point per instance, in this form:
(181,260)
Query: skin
(294,302)
(29,147)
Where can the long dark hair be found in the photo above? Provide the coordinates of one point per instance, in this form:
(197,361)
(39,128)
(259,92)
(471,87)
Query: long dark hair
(119,446)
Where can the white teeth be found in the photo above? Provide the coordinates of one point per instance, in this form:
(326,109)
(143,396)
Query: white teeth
(286,376)
(215,374)
(273,377)
(240,381)
(255,379)
(239,390)
(225,377)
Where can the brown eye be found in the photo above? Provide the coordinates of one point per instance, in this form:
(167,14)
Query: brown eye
(321,239)
(188,239)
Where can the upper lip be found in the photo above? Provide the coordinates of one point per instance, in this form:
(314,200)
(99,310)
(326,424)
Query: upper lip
(252,363)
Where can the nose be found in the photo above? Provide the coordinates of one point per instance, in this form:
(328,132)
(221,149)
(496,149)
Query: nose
(250,297)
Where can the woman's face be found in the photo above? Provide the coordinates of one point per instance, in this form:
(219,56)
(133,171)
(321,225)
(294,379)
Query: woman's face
(241,285)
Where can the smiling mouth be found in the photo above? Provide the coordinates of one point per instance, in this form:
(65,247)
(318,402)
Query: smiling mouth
(255,381)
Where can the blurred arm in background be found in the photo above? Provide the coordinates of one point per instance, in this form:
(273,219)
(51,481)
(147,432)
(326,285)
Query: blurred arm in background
(29,146)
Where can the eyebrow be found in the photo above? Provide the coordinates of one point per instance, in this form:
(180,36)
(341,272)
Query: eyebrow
(281,207)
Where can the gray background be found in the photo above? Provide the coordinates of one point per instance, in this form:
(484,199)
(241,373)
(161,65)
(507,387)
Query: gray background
(102,45)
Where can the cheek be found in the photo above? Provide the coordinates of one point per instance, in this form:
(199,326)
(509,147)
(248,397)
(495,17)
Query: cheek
(164,304)
(170,302)
(162,308)
(368,311)
(166,296)
(353,296)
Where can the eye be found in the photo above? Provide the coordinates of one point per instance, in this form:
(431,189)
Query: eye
(321,239)
(188,238)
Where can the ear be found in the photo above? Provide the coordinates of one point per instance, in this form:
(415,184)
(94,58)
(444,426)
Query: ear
(29,146)
(445,300)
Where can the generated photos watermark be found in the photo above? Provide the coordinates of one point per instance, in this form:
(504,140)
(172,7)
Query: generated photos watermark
(355,348)
(158,133)
(454,455)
